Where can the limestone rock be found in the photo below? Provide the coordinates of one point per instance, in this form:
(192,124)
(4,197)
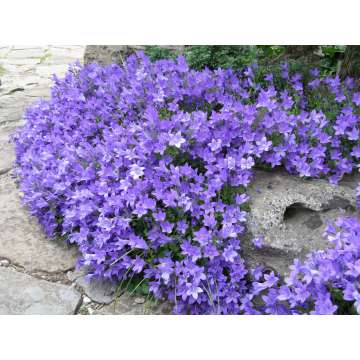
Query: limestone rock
(7,156)
(291,213)
(106,54)
(21,294)
(12,107)
(22,240)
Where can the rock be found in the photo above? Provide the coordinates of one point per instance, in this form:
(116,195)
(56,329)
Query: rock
(86,300)
(39,92)
(19,61)
(4,262)
(350,181)
(139,300)
(291,213)
(21,294)
(7,155)
(126,305)
(25,53)
(22,240)
(12,107)
(108,54)
(47,72)
(103,292)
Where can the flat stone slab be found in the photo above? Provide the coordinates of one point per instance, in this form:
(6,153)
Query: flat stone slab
(21,294)
(47,71)
(22,240)
(7,156)
(12,107)
(128,304)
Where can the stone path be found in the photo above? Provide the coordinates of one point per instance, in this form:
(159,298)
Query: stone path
(37,275)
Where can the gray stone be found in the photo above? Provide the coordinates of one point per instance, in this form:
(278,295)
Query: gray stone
(12,107)
(139,300)
(22,240)
(108,54)
(86,300)
(24,53)
(7,156)
(21,294)
(126,305)
(22,81)
(47,71)
(4,262)
(38,92)
(291,213)
(59,55)
(9,60)
(350,181)
(4,51)
(103,292)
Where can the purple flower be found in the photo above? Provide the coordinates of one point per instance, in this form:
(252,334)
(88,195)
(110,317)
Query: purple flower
(191,251)
(202,236)
(230,254)
(193,290)
(166,268)
(356,152)
(258,241)
(159,215)
(356,98)
(231,163)
(137,242)
(247,163)
(138,264)
(211,251)
(176,139)
(136,171)
(166,227)
(263,144)
(215,144)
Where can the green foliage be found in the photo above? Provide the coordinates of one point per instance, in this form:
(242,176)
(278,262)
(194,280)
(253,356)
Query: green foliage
(344,307)
(331,58)
(214,57)
(164,113)
(158,53)
(327,57)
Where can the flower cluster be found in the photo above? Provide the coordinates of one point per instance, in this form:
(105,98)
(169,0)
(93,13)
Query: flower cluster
(145,168)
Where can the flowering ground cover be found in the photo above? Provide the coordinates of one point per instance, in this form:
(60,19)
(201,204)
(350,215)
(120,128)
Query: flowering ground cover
(145,167)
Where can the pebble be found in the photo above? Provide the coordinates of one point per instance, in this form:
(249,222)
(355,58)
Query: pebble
(4,262)
(139,300)
(86,300)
